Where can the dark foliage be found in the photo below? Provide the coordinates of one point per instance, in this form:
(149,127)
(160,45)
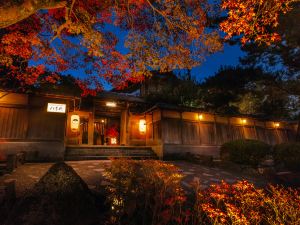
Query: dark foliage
(60,197)
(288,155)
(247,152)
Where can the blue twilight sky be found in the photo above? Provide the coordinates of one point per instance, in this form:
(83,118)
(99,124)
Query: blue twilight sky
(229,56)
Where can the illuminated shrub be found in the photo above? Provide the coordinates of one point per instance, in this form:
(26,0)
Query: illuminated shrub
(247,152)
(288,154)
(150,192)
(144,192)
(242,203)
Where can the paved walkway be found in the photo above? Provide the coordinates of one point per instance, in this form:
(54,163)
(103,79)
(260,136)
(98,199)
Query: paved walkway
(92,173)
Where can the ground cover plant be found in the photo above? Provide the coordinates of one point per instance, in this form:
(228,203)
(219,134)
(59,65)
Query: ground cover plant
(150,192)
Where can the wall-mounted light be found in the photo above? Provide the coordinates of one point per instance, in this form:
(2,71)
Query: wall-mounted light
(75,123)
(142,126)
(244,121)
(102,121)
(111,104)
(276,125)
(200,117)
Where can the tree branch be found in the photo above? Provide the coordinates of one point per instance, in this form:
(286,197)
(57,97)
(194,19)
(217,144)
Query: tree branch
(12,12)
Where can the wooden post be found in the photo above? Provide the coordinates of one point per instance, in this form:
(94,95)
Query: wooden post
(199,124)
(123,127)
(255,130)
(181,128)
(229,130)
(298,131)
(215,130)
(91,129)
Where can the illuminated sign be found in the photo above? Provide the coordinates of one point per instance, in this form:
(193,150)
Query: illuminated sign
(75,123)
(142,126)
(56,108)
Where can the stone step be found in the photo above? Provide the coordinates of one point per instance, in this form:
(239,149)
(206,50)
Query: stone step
(79,158)
(102,152)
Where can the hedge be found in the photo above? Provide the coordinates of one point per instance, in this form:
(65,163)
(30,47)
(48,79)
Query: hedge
(245,151)
(288,155)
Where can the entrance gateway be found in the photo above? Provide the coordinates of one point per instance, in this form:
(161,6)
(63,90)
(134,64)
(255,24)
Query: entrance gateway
(106,121)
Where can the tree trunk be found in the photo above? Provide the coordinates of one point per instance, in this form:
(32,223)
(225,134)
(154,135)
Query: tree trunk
(14,11)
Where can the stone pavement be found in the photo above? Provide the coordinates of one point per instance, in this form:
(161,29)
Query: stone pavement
(92,173)
(210,175)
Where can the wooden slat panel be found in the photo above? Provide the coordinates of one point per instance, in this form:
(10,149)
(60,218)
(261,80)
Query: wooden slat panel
(249,133)
(13,122)
(207,133)
(191,133)
(223,133)
(271,136)
(237,132)
(261,133)
(171,131)
(43,125)
(282,136)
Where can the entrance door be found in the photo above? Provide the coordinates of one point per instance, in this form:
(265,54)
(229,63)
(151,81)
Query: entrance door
(84,130)
(107,131)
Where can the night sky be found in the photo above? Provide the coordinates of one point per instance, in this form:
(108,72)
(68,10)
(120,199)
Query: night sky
(229,56)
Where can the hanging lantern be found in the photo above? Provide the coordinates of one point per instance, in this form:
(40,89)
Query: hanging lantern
(142,126)
(75,123)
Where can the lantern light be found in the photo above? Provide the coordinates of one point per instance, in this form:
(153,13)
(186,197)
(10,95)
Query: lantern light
(142,126)
(200,117)
(75,122)
(113,141)
(276,125)
(244,121)
(111,104)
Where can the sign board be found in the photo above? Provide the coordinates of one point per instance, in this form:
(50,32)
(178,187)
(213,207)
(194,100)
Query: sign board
(56,108)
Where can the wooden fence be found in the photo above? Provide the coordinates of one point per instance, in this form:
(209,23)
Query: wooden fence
(24,118)
(192,128)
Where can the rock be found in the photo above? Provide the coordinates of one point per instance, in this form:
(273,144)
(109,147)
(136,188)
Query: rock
(59,198)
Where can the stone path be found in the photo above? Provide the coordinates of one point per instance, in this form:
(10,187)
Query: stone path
(209,175)
(92,173)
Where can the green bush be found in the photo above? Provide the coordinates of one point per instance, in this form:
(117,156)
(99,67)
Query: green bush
(288,154)
(246,151)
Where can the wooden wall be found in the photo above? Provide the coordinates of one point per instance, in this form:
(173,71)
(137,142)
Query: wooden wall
(24,117)
(187,128)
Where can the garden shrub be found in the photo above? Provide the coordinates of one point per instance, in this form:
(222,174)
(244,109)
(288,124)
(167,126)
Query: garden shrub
(242,203)
(288,154)
(246,151)
(144,192)
(150,192)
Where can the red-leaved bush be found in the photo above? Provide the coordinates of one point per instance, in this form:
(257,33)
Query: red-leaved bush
(150,192)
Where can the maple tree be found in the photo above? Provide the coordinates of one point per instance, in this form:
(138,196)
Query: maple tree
(255,20)
(79,35)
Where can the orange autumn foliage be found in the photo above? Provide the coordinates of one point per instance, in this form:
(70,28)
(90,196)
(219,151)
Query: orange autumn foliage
(254,20)
(150,192)
(84,35)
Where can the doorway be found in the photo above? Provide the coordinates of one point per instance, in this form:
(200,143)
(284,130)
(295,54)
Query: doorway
(106,131)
